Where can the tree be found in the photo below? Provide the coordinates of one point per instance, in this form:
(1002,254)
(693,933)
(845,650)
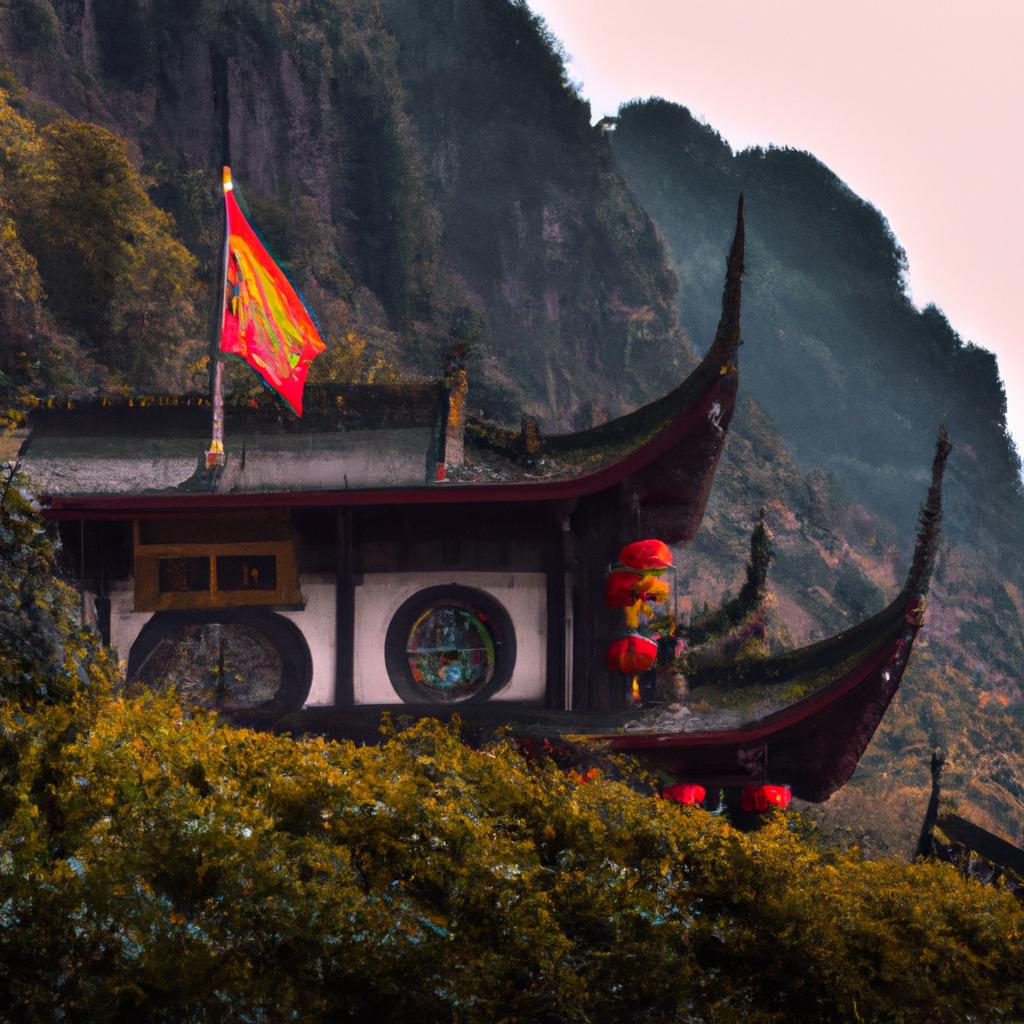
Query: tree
(732,612)
(83,234)
(46,656)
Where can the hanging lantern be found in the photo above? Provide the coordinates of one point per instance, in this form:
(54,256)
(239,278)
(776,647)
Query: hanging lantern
(646,555)
(619,589)
(760,798)
(685,793)
(632,654)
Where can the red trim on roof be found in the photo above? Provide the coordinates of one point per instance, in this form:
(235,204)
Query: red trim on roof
(678,431)
(772,727)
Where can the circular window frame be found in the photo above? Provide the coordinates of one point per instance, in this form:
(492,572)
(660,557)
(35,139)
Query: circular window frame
(286,638)
(496,617)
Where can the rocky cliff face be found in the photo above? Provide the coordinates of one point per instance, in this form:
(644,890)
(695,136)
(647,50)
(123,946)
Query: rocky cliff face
(435,148)
(538,224)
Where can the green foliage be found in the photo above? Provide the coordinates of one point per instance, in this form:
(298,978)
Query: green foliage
(86,254)
(160,865)
(36,357)
(45,656)
(113,270)
(191,196)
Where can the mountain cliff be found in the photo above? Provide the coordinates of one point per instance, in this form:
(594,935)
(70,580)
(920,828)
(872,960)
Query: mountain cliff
(424,169)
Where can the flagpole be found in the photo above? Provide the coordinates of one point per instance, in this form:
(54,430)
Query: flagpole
(215,456)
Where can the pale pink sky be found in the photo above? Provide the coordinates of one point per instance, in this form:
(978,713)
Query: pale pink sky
(918,105)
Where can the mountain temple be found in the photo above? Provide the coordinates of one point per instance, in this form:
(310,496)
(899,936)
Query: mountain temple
(386,552)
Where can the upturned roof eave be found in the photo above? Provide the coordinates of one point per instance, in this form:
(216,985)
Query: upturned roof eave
(714,377)
(567,488)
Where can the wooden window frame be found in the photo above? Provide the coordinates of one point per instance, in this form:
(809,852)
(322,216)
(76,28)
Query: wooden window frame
(149,598)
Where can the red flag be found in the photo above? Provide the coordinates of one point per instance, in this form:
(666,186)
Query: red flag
(265,322)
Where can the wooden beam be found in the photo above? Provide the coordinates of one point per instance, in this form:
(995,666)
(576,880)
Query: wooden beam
(555,688)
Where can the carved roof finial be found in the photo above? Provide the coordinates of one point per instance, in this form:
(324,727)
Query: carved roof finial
(727,337)
(930,519)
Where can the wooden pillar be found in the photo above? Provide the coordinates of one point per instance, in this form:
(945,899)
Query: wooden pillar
(101,602)
(555,690)
(598,529)
(345,612)
(586,579)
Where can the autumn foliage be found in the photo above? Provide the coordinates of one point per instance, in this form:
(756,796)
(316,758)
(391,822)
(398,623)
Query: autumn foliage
(158,864)
(97,291)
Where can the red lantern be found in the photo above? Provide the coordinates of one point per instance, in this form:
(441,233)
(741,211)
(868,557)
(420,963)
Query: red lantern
(646,555)
(760,798)
(618,591)
(632,654)
(685,793)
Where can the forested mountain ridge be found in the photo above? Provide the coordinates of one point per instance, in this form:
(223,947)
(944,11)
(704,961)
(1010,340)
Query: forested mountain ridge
(827,318)
(428,173)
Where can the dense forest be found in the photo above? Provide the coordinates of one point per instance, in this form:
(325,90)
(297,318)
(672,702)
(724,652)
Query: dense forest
(426,171)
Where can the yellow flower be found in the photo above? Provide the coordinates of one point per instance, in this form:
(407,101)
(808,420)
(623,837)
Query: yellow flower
(652,590)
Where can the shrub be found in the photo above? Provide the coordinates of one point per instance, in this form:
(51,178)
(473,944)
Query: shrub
(158,864)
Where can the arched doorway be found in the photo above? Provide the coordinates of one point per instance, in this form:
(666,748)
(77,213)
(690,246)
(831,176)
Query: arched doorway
(231,660)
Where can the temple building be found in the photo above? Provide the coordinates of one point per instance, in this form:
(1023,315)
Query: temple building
(384,552)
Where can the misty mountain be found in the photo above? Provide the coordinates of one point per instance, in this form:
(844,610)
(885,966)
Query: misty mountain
(855,378)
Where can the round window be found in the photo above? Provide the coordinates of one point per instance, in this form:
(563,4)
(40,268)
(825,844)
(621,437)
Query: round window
(448,644)
(232,660)
(215,665)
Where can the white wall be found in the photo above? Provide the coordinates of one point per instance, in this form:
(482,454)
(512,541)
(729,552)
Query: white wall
(125,623)
(316,621)
(523,595)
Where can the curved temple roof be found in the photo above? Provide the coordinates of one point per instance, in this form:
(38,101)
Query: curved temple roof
(814,745)
(371,445)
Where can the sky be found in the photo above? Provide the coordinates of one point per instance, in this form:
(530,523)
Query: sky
(918,105)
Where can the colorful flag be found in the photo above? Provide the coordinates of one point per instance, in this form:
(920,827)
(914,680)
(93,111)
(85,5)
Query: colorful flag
(265,322)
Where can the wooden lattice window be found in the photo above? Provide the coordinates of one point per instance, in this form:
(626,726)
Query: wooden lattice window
(222,562)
